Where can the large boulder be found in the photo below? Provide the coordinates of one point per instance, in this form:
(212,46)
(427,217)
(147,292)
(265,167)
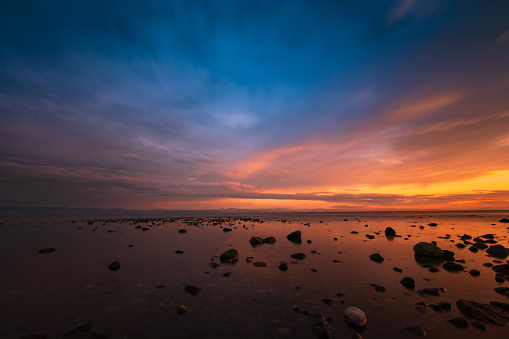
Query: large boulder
(504,220)
(497,251)
(426,249)
(484,312)
(295,237)
(232,255)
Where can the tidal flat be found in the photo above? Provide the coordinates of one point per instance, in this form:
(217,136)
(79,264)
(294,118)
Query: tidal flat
(162,276)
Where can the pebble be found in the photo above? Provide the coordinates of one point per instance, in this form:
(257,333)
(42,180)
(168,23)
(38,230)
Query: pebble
(355,316)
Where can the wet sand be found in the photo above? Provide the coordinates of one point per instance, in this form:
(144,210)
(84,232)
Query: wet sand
(53,293)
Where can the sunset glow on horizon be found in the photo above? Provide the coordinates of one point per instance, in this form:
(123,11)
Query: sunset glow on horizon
(298,105)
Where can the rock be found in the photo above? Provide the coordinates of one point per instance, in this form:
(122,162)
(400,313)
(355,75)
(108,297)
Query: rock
(484,312)
(488,236)
(441,307)
(329,301)
(397,269)
(259,264)
(355,316)
(47,250)
(376,257)
(498,251)
(193,290)
(504,220)
(408,282)
(181,309)
(80,330)
(430,291)
(452,266)
(422,307)
(432,224)
(322,328)
(34,335)
(308,241)
(473,249)
(232,255)
(498,304)
(299,256)
(283,267)
(474,273)
(502,290)
(295,237)
(255,241)
(379,288)
(428,250)
(213,264)
(416,330)
(114,266)
(182,230)
(226,229)
(479,324)
(179,252)
(270,240)
(390,232)
(460,245)
(459,322)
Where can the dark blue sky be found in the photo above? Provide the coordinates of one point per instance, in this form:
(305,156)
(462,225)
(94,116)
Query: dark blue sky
(177,104)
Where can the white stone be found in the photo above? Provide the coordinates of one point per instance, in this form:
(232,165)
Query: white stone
(355,316)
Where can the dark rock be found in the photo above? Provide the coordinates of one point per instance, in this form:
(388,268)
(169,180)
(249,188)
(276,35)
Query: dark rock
(313,270)
(226,229)
(459,322)
(416,330)
(329,301)
(80,330)
(488,236)
(213,264)
(480,245)
(308,241)
(232,255)
(441,307)
(484,312)
(354,232)
(146,229)
(504,220)
(255,241)
(498,304)
(397,269)
(408,282)
(460,245)
(179,252)
(283,267)
(34,335)
(479,324)
(114,266)
(227,274)
(295,237)
(181,309)
(433,269)
(299,256)
(47,250)
(379,288)
(474,273)
(270,240)
(323,329)
(432,224)
(182,231)
(430,291)
(448,255)
(390,232)
(473,249)
(193,290)
(502,290)
(452,266)
(422,307)
(376,257)
(259,264)
(428,250)
(488,264)
(498,251)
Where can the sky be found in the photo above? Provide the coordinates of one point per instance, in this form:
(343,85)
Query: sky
(299,105)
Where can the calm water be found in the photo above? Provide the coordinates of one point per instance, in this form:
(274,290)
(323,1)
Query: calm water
(54,293)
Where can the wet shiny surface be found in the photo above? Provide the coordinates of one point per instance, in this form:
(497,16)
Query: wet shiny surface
(56,292)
